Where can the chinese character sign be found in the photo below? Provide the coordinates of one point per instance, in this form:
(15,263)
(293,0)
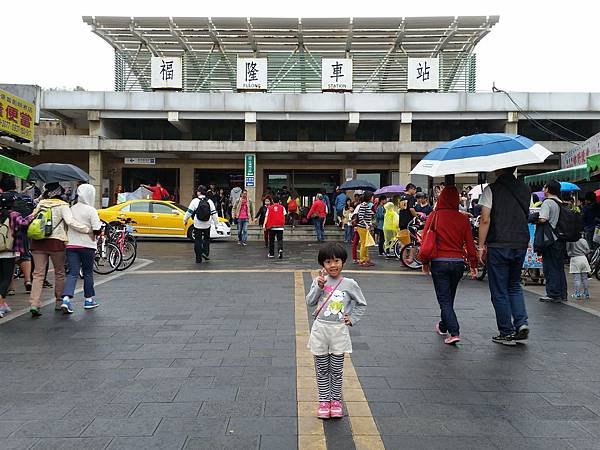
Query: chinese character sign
(16,117)
(336,74)
(578,155)
(249,169)
(423,74)
(167,73)
(252,74)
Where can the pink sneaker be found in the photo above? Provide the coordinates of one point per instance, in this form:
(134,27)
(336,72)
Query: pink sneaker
(452,339)
(324,410)
(336,409)
(438,331)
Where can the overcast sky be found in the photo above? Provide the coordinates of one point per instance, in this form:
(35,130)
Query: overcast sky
(545,48)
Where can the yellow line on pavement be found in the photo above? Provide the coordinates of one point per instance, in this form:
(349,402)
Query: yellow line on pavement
(311,434)
(364,430)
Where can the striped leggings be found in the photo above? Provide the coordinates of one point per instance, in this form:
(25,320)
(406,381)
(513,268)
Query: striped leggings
(330,369)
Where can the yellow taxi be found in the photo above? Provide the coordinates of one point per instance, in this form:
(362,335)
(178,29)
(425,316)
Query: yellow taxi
(159,218)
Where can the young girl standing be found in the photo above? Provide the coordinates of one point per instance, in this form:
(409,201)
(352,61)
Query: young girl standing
(341,304)
(346,222)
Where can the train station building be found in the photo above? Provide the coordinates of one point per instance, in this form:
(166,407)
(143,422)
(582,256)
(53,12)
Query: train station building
(305,103)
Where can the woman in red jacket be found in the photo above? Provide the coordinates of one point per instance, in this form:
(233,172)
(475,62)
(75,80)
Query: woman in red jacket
(318,213)
(454,239)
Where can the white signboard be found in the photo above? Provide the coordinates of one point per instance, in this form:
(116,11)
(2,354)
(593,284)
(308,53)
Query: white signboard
(578,155)
(167,73)
(424,74)
(142,161)
(336,74)
(252,74)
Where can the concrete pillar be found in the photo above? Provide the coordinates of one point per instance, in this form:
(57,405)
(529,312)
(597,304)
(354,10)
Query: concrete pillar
(184,126)
(405,127)
(95,170)
(352,125)
(512,123)
(187,190)
(250,136)
(250,127)
(404,167)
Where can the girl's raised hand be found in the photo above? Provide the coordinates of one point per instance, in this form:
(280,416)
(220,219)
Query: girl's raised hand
(321,278)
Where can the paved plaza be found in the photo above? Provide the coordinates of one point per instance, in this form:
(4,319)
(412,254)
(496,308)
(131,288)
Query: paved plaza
(214,356)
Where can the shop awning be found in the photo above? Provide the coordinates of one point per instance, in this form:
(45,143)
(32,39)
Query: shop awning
(577,173)
(12,167)
(593,163)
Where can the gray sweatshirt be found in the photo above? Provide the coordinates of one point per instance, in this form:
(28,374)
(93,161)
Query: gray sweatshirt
(347,299)
(579,248)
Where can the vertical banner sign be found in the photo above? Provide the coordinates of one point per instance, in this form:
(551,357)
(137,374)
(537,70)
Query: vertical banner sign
(251,74)
(249,169)
(336,74)
(424,74)
(16,117)
(167,73)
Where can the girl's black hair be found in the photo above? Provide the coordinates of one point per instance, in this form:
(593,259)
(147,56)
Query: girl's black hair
(346,205)
(332,250)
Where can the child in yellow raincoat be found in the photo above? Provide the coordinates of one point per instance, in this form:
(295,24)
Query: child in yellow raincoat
(390,227)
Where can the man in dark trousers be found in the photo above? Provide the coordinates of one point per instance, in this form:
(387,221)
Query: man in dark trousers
(203,210)
(504,237)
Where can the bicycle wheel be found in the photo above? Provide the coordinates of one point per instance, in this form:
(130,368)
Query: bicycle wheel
(397,249)
(405,256)
(129,255)
(107,261)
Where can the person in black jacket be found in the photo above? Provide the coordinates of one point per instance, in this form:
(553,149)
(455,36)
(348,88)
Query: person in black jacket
(504,235)
(260,215)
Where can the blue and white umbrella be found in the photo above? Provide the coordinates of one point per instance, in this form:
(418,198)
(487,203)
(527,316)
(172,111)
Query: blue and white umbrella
(484,152)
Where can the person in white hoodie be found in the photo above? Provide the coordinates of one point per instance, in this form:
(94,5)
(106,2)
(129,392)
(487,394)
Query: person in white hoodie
(81,249)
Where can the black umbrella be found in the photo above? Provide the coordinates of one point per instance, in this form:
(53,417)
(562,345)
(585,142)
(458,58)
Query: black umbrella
(56,172)
(363,185)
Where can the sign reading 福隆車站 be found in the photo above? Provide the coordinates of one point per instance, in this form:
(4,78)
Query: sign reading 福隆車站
(251,74)
(249,169)
(423,74)
(166,72)
(141,161)
(336,74)
(16,117)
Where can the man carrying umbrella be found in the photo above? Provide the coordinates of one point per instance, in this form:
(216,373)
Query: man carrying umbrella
(503,229)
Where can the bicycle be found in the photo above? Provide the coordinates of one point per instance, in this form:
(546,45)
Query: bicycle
(595,263)
(404,254)
(120,234)
(108,256)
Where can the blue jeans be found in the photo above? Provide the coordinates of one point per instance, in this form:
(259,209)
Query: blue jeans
(504,267)
(242,227)
(319,228)
(446,276)
(348,232)
(554,271)
(80,258)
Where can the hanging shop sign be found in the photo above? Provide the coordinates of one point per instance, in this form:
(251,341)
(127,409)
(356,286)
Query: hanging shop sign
(336,74)
(578,155)
(424,74)
(16,117)
(252,74)
(167,72)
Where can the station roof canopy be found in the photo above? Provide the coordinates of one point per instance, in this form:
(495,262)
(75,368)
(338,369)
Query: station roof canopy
(414,36)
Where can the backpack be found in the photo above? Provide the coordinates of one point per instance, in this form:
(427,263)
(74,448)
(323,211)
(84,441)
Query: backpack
(292,205)
(41,226)
(23,204)
(6,236)
(202,212)
(569,226)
